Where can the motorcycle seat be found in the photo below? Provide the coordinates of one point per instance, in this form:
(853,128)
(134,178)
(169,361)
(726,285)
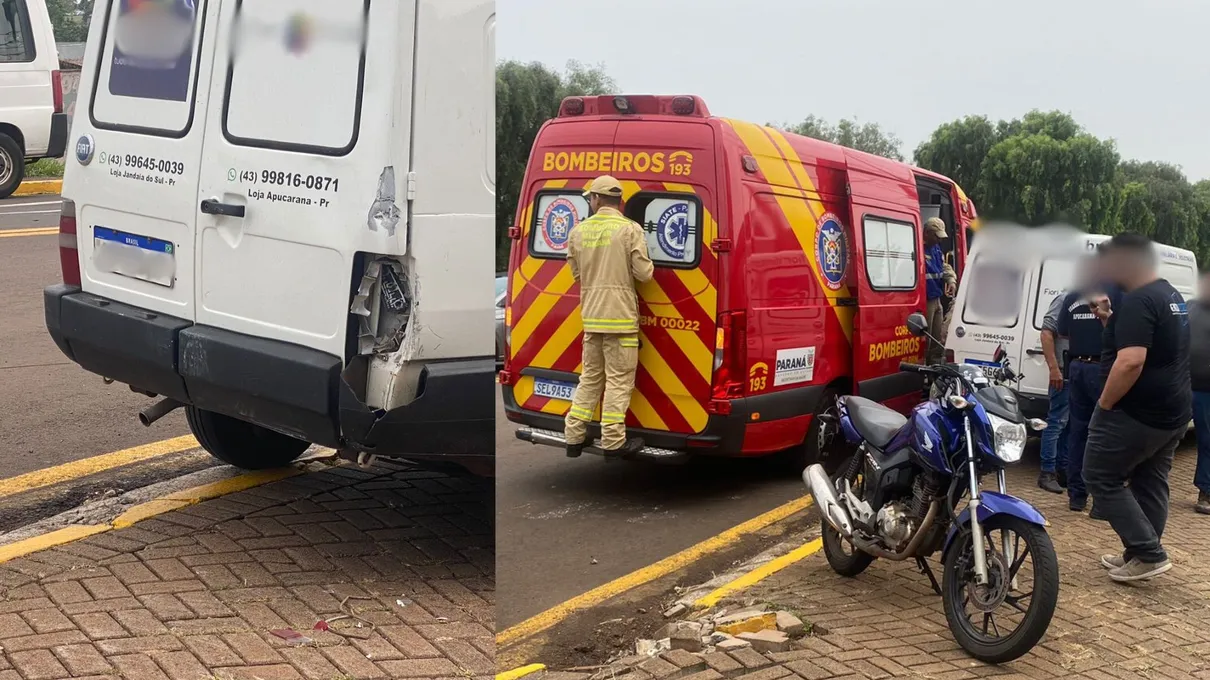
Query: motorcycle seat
(873,421)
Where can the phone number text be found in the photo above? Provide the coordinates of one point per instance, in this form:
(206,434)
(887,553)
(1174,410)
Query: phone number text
(296,180)
(137,162)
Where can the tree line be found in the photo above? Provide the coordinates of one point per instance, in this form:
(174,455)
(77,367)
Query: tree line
(1041,168)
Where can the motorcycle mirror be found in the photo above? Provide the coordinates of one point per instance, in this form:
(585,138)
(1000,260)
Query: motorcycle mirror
(916,324)
(998,357)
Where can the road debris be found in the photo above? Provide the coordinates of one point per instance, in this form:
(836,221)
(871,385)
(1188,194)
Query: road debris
(767,640)
(292,636)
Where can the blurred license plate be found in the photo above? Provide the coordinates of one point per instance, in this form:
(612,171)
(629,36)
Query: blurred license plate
(989,367)
(553,389)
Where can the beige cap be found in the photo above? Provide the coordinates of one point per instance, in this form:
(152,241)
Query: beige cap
(606,186)
(935,225)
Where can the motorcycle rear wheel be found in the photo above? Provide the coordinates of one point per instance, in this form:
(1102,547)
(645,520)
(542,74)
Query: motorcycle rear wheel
(844,558)
(1043,597)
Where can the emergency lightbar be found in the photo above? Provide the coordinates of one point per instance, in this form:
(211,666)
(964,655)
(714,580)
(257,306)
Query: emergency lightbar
(631,105)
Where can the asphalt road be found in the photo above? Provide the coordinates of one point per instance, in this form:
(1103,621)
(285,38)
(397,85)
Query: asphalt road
(565,526)
(52,411)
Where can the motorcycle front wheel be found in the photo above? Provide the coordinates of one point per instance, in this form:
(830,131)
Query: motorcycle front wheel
(844,558)
(1005,618)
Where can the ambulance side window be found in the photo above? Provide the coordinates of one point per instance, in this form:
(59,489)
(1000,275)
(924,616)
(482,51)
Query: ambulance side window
(147,74)
(297,74)
(890,253)
(672,223)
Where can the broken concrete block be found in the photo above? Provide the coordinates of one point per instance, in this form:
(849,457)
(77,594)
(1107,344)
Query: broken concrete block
(746,623)
(732,644)
(767,640)
(651,647)
(686,639)
(789,624)
(675,611)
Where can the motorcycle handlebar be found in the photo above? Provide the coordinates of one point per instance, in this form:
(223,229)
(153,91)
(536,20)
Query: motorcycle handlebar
(911,368)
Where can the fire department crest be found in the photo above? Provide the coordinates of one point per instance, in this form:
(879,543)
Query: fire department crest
(832,251)
(672,230)
(560,216)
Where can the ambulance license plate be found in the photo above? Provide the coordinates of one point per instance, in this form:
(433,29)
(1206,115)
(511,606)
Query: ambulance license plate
(553,389)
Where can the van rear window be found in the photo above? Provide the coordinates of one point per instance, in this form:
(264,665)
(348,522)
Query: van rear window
(995,295)
(146,80)
(296,76)
(672,223)
(16,38)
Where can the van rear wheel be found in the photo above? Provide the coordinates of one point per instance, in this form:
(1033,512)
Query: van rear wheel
(825,443)
(12,165)
(242,444)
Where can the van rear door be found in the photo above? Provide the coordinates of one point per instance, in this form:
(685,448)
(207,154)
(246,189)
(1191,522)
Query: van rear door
(137,157)
(1055,277)
(305,163)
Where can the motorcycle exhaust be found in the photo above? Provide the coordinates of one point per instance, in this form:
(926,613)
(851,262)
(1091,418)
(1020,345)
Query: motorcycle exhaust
(824,493)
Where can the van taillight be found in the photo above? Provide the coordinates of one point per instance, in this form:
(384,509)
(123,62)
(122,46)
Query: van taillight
(56,84)
(683,106)
(69,254)
(572,106)
(730,354)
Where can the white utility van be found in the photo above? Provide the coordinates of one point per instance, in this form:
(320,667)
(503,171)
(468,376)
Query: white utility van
(1016,272)
(32,122)
(280,215)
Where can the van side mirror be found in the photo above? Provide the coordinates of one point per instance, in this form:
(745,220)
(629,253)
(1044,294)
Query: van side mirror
(916,324)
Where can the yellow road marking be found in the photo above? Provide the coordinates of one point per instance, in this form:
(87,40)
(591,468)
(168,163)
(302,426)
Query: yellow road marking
(142,511)
(540,622)
(759,574)
(521,672)
(39,231)
(39,187)
(88,466)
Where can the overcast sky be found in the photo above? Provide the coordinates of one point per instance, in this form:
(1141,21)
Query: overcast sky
(1137,71)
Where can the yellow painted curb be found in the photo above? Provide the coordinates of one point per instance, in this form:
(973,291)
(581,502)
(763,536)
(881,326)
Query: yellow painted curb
(89,466)
(42,231)
(55,538)
(521,672)
(142,511)
(759,574)
(540,622)
(37,187)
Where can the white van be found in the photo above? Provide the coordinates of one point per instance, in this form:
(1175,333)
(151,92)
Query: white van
(1020,271)
(280,215)
(32,122)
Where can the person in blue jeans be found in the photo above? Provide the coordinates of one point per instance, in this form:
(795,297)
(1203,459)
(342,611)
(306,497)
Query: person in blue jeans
(1053,477)
(1199,376)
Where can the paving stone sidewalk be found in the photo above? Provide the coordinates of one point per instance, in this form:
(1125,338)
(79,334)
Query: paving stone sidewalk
(193,594)
(888,622)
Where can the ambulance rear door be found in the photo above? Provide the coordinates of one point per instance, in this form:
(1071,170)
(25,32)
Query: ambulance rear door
(305,163)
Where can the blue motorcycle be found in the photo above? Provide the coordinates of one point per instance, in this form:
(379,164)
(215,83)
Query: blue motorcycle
(898,496)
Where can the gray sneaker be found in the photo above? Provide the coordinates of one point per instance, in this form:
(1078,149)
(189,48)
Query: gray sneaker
(1136,570)
(1203,504)
(1113,561)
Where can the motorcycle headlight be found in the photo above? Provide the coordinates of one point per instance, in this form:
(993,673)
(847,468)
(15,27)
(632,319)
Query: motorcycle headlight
(1009,439)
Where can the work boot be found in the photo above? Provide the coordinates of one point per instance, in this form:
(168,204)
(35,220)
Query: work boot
(1093,514)
(1048,482)
(629,448)
(1077,504)
(1138,570)
(575,450)
(1113,561)
(1061,478)
(1203,504)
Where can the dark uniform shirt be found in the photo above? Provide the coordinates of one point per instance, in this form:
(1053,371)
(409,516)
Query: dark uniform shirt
(1080,325)
(1155,317)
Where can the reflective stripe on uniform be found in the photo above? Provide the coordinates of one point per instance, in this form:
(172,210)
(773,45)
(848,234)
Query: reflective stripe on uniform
(937,275)
(581,413)
(630,342)
(610,325)
(611,417)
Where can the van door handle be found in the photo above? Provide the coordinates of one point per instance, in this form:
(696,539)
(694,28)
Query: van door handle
(1034,352)
(213,206)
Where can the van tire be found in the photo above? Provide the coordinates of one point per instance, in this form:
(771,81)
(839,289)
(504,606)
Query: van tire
(811,451)
(242,444)
(10,154)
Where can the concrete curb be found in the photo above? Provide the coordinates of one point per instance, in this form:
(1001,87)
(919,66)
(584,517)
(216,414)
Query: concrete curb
(39,187)
(521,672)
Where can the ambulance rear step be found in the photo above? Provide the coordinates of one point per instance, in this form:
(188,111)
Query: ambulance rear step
(550,438)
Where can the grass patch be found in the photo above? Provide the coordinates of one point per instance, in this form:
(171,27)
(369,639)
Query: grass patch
(44,169)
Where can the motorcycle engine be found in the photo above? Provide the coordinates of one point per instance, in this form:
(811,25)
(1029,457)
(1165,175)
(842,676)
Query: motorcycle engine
(895,525)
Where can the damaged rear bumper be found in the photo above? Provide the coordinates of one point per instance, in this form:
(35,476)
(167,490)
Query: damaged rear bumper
(291,389)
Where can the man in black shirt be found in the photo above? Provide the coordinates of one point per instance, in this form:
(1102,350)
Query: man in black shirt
(1144,409)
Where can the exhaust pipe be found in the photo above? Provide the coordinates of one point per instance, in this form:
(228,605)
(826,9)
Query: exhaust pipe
(158,410)
(824,493)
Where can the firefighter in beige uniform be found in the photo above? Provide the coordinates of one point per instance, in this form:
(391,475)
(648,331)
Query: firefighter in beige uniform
(607,254)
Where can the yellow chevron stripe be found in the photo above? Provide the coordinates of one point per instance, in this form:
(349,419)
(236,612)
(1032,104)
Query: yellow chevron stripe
(674,390)
(801,208)
(558,343)
(645,412)
(689,342)
(541,306)
(523,390)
